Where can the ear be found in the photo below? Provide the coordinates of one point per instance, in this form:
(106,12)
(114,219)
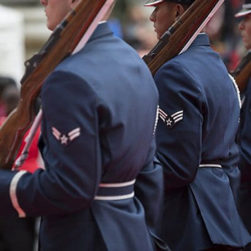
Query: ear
(179,10)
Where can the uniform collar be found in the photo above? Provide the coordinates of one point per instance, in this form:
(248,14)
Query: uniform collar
(101,30)
(201,39)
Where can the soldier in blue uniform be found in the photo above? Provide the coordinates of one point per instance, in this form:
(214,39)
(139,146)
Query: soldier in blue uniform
(245,125)
(198,121)
(99,115)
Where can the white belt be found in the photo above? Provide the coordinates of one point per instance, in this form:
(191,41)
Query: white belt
(115,191)
(210,165)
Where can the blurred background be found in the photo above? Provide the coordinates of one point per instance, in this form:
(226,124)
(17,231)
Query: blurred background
(23,31)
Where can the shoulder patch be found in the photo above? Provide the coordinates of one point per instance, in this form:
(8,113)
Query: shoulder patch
(65,139)
(171,120)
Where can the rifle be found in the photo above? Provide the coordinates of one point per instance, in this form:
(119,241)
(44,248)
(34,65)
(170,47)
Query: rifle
(69,37)
(243,72)
(182,33)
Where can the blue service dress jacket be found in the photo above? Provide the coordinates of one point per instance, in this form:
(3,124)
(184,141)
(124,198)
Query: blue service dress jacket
(196,144)
(99,115)
(244,138)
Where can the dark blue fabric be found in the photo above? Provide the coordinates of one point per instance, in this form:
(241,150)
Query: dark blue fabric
(245,135)
(245,157)
(107,93)
(199,208)
(115,191)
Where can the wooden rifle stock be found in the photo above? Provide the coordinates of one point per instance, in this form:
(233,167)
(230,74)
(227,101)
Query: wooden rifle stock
(61,44)
(242,74)
(182,33)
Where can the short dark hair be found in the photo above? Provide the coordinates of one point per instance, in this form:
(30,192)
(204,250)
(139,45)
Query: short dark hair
(6,82)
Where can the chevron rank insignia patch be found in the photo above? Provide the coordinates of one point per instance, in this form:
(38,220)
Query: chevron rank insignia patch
(65,139)
(171,120)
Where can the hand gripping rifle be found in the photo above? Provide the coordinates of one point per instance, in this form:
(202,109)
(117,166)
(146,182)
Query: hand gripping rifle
(69,37)
(242,73)
(182,33)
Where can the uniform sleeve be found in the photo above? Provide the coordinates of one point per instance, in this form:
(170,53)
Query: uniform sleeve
(179,131)
(245,136)
(72,152)
(149,186)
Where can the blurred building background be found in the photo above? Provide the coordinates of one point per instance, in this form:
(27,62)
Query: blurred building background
(23,31)
(11,42)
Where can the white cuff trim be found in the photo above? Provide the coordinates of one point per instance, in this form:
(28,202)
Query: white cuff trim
(13,194)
